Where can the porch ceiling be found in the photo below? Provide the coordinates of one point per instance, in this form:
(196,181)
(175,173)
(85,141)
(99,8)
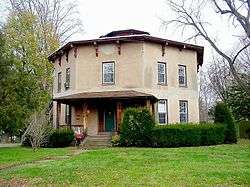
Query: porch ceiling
(127,94)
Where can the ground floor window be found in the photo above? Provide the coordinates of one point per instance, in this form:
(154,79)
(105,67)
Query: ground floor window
(183,111)
(162,112)
(67,114)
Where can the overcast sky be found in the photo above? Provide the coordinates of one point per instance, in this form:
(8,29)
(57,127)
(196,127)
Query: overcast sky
(102,16)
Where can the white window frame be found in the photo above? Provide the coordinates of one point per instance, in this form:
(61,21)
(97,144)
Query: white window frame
(184,69)
(164,74)
(165,102)
(185,112)
(103,72)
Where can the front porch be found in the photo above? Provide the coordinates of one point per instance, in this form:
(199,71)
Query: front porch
(99,113)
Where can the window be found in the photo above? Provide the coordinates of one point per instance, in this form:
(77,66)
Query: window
(108,72)
(67,83)
(161,73)
(162,112)
(182,75)
(67,114)
(59,82)
(67,56)
(60,61)
(183,111)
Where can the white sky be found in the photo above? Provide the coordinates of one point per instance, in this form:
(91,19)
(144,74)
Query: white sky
(102,16)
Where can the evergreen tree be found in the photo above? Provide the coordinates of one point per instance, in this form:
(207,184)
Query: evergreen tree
(224,116)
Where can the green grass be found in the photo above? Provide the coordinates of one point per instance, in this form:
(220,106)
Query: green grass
(223,165)
(20,155)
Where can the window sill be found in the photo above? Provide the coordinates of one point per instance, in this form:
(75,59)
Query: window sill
(108,84)
(162,84)
(183,86)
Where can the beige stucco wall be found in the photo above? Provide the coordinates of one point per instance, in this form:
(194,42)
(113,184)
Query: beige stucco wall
(135,69)
(127,67)
(171,91)
(64,65)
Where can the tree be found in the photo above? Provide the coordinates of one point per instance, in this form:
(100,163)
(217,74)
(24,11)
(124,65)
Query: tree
(33,30)
(223,115)
(6,124)
(188,16)
(239,102)
(223,85)
(26,86)
(207,96)
(62,17)
(38,130)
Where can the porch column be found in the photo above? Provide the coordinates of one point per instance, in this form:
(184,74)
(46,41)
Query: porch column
(118,115)
(149,106)
(85,115)
(58,114)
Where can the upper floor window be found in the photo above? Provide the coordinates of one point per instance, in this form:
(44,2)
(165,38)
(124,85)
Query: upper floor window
(183,111)
(59,82)
(182,75)
(162,112)
(67,82)
(108,72)
(162,73)
(67,56)
(60,61)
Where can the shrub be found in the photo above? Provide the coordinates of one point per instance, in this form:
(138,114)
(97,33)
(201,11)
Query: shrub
(38,131)
(223,115)
(180,135)
(136,127)
(61,137)
(244,129)
(115,141)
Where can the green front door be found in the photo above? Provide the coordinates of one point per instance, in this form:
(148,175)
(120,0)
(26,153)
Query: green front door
(109,116)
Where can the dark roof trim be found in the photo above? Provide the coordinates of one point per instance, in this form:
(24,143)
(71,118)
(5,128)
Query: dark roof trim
(131,38)
(124,33)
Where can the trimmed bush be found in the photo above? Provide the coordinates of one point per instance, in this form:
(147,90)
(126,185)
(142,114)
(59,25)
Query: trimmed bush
(244,129)
(136,127)
(180,135)
(61,137)
(224,116)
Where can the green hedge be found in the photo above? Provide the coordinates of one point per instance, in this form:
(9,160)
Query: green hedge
(244,129)
(136,127)
(61,137)
(180,135)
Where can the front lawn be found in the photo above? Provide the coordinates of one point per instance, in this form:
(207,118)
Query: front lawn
(223,165)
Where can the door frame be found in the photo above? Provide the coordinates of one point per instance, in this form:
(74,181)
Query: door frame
(104,120)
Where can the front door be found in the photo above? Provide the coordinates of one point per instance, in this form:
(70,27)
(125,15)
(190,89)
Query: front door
(109,119)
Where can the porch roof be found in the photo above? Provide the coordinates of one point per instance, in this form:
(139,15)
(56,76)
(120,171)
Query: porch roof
(126,94)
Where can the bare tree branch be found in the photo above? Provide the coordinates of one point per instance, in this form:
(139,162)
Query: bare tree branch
(62,16)
(189,17)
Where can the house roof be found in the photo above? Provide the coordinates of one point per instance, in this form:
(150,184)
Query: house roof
(105,94)
(130,35)
(124,33)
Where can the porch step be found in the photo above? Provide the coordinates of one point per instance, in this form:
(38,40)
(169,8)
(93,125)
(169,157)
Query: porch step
(97,141)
